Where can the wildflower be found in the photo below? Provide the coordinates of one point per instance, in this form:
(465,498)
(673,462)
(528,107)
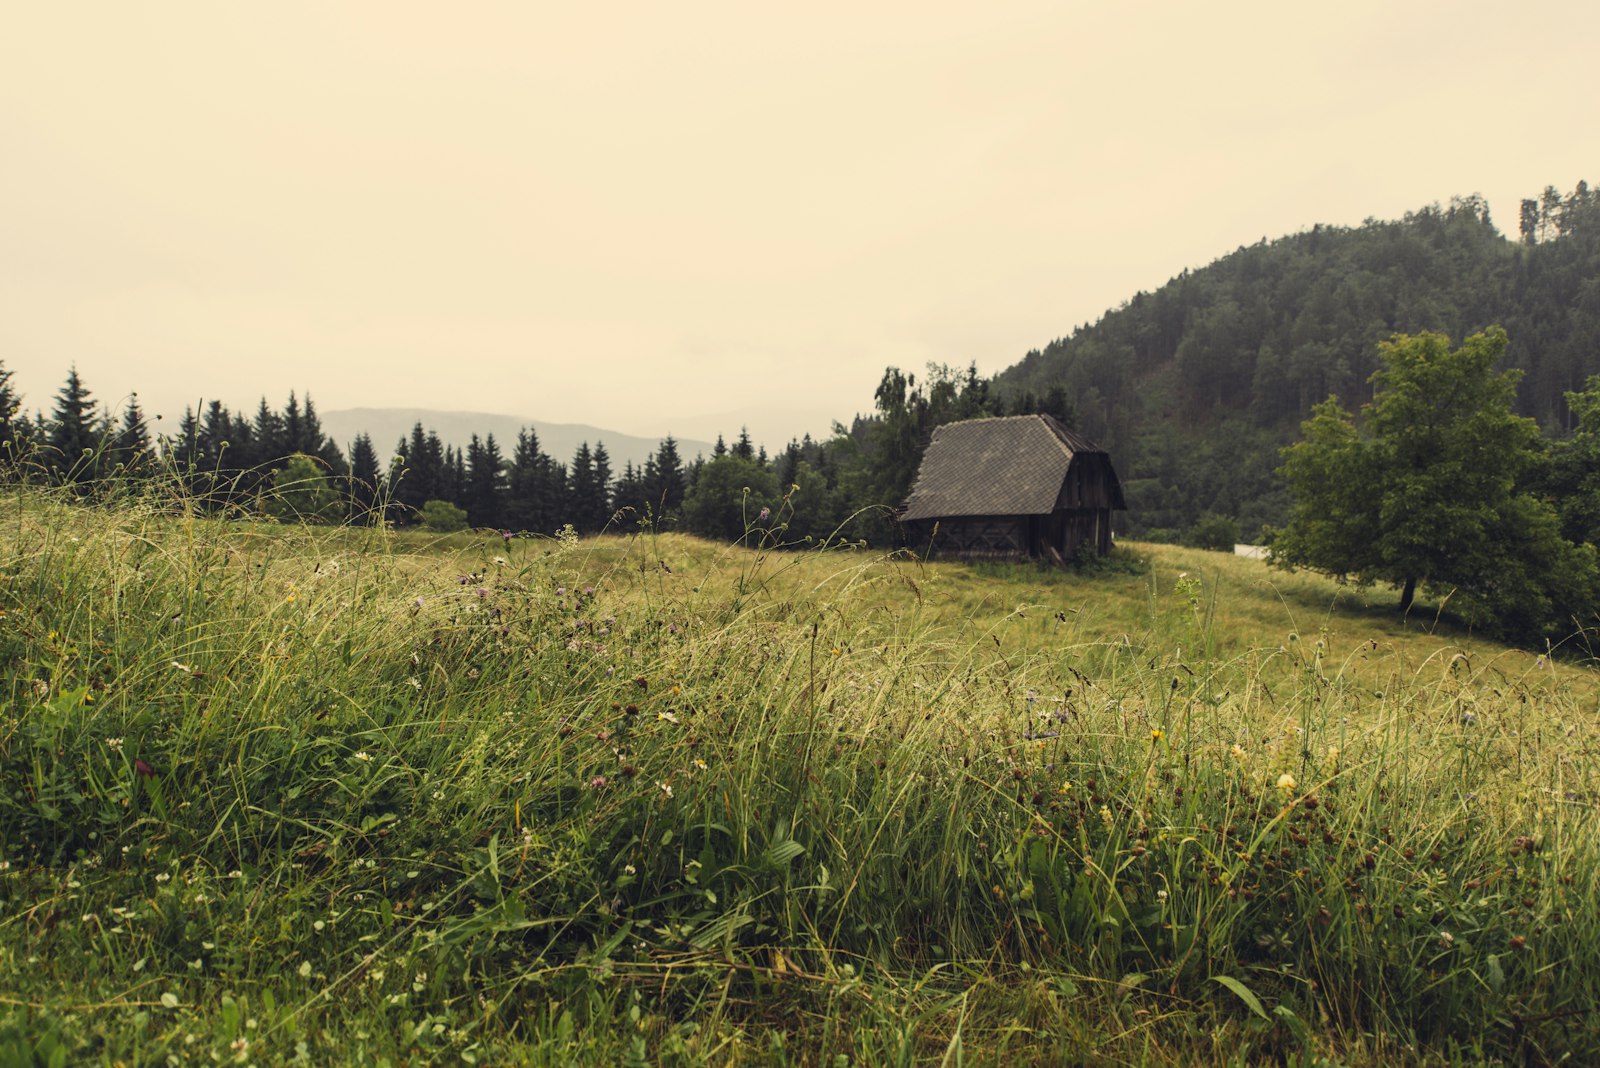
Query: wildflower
(629,869)
(1237,752)
(666,788)
(417,602)
(1161,896)
(597,782)
(699,765)
(1157,734)
(668,716)
(114,743)
(1286,782)
(363,756)
(500,561)
(764,515)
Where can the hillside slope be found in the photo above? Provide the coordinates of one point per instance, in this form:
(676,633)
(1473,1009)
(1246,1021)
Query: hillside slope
(1196,386)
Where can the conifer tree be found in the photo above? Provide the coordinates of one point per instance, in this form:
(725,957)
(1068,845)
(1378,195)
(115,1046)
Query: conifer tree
(664,480)
(627,495)
(363,483)
(527,503)
(131,448)
(582,490)
(485,490)
(271,440)
(600,497)
(10,407)
(74,437)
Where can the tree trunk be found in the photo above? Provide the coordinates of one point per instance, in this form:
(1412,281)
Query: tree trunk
(1408,595)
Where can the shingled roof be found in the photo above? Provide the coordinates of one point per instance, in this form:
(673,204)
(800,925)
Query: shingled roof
(1010,466)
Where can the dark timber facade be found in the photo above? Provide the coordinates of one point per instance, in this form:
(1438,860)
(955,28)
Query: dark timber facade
(1022,487)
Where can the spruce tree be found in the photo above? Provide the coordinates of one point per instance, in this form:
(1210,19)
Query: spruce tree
(271,441)
(362,492)
(526,504)
(10,406)
(600,497)
(73,435)
(664,480)
(485,491)
(581,490)
(131,448)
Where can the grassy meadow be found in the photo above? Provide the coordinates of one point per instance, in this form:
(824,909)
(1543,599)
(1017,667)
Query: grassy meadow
(273,794)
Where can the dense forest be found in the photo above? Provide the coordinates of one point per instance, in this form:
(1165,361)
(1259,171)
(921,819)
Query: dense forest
(1194,389)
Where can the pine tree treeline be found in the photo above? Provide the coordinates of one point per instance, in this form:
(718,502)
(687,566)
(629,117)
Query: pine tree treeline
(280,462)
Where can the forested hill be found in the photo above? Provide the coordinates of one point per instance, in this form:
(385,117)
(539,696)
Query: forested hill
(1195,387)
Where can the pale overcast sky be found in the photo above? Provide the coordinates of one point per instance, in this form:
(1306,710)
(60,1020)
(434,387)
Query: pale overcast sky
(644,215)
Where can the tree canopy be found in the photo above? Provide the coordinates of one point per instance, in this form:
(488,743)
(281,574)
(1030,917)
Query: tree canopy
(1431,490)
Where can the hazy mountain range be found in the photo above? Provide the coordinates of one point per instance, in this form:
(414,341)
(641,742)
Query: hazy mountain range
(386,426)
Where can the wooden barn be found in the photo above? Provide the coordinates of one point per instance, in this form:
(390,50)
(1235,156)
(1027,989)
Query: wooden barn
(1020,487)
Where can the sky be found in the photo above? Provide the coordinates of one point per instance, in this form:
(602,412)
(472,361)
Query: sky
(689,217)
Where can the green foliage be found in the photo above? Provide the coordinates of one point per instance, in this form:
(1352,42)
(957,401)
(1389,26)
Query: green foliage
(1219,533)
(442,517)
(1431,494)
(301,493)
(728,497)
(1194,387)
(1571,476)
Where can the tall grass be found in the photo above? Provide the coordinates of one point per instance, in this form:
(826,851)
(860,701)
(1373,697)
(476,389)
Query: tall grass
(278,792)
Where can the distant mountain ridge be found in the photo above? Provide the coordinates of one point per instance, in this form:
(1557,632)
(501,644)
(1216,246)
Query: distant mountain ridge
(386,426)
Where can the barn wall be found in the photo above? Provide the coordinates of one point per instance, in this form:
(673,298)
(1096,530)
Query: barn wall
(972,537)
